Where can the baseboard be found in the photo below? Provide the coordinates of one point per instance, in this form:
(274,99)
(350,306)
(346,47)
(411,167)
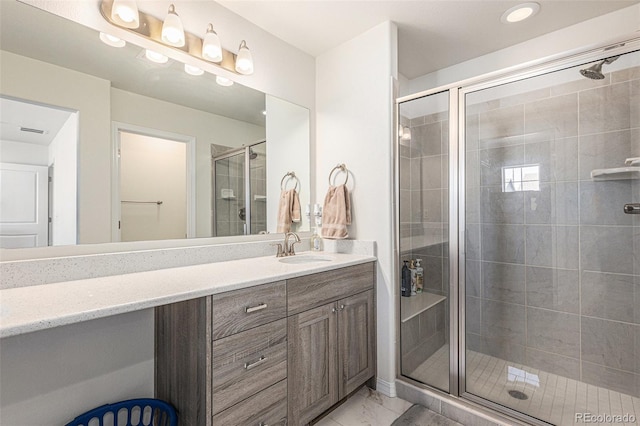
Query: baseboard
(386,388)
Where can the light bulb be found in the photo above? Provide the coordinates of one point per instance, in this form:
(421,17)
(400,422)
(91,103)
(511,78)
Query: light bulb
(125,13)
(211,49)
(244,61)
(520,12)
(172,30)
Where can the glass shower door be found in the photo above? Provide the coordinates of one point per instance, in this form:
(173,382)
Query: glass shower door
(552,266)
(230,213)
(423,210)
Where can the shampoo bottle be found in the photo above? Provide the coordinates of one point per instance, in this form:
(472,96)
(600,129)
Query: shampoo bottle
(419,276)
(405,280)
(412,268)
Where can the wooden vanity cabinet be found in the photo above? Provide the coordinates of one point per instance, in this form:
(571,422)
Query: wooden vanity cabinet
(331,347)
(277,354)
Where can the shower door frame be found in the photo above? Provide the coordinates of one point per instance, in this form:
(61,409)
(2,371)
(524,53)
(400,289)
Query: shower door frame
(457,193)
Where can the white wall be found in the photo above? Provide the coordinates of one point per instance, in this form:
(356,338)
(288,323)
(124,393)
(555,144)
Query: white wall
(23,153)
(29,79)
(354,126)
(49,377)
(63,155)
(131,108)
(287,139)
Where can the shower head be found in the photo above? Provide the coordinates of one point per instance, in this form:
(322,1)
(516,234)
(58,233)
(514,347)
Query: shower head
(252,154)
(594,72)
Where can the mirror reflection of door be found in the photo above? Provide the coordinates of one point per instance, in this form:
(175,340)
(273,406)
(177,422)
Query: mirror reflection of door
(38,205)
(153,188)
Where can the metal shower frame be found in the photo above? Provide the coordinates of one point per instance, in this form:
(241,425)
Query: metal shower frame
(457,149)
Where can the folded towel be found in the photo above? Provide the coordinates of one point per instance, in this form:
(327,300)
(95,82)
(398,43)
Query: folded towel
(288,210)
(336,213)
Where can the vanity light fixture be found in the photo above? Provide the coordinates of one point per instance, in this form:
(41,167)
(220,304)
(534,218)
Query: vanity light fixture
(125,13)
(244,61)
(520,12)
(190,69)
(172,29)
(156,57)
(211,49)
(224,81)
(112,41)
(171,33)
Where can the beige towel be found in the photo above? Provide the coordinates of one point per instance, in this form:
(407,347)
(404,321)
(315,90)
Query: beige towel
(288,210)
(336,213)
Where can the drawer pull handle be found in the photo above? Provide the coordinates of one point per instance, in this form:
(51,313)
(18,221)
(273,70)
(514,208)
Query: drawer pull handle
(250,365)
(259,307)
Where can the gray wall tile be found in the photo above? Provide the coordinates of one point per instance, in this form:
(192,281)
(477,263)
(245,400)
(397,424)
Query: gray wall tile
(426,172)
(551,288)
(612,344)
(503,321)
(601,202)
(428,140)
(610,296)
(552,118)
(604,150)
(558,159)
(607,249)
(554,363)
(410,334)
(605,108)
(503,126)
(501,207)
(555,332)
(473,278)
(493,160)
(503,243)
(552,246)
(504,282)
(473,313)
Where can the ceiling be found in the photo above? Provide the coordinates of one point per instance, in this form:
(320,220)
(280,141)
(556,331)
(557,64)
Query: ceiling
(432,34)
(23,122)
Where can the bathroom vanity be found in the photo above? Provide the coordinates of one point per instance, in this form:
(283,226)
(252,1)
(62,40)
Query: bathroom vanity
(277,353)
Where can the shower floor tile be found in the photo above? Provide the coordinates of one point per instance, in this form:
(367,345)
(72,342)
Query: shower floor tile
(549,397)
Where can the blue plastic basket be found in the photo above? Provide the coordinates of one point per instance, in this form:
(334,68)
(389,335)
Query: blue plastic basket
(133,412)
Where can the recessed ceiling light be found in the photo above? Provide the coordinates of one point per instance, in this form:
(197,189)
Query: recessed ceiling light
(223,81)
(156,57)
(190,69)
(112,41)
(520,12)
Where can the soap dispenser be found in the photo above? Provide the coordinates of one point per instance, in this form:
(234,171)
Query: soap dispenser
(316,241)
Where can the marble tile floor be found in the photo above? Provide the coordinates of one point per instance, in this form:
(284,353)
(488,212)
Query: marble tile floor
(366,407)
(552,398)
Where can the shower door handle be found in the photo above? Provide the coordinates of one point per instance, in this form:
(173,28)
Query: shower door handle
(632,208)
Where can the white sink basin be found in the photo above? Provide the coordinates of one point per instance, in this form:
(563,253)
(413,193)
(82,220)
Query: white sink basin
(305,258)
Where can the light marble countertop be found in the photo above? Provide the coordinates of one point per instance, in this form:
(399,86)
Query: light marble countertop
(38,307)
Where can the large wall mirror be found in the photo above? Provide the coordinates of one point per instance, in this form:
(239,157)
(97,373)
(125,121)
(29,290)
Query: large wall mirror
(99,144)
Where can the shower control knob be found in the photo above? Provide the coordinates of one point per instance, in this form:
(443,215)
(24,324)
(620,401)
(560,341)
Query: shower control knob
(632,208)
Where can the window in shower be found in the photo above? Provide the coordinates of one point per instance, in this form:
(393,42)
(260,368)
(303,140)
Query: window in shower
(552,265)
(423,211)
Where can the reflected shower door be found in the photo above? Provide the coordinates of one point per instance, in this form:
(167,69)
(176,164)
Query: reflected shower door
(552,267)
(230,213)
(423,211)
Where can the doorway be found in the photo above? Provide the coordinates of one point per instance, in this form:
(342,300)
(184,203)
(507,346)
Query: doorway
(153,185)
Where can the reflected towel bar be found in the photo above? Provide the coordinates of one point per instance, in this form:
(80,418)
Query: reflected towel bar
(142,202)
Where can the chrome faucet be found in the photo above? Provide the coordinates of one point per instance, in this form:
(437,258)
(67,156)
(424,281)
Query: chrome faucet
(288,249)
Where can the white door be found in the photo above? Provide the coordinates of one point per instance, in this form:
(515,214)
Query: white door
(23,205)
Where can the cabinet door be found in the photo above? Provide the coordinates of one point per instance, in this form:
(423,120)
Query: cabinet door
(355,341)
(312,363)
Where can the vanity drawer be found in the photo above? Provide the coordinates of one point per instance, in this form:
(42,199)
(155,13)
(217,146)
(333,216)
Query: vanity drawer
(310,291)
(248,362)
(268,407)
(239,310)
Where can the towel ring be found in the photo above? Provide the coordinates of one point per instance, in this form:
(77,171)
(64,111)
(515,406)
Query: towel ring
(290,175)
(341,167)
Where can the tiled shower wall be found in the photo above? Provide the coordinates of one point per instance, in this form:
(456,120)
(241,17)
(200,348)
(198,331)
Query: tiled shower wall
(553,276)
(423,225)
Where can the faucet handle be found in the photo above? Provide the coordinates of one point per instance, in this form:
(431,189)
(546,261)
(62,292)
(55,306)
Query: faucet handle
(280,252)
